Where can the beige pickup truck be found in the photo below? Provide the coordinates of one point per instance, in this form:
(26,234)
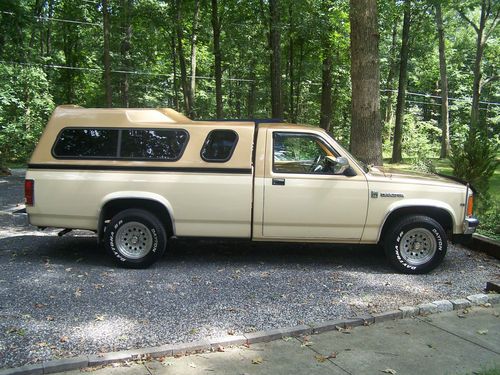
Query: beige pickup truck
(138,177)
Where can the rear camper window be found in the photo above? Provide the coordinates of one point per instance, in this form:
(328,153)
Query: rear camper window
(134,144)
(87,143)
(153,144)
(219,145)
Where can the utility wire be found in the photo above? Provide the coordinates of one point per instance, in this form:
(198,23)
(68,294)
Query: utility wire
(42,18)
(468,100)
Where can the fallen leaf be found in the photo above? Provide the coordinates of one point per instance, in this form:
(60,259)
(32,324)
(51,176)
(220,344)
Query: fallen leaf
(287,338)
(257,361)
(462,316)
(231,332)
(390,371)
(68,269)
(39,305)
(482,331)
(64,339)
(50,318)
(99,318)
(168,363)
(306,344)
(320,358)
(78,292)
(192,365)
(220,348)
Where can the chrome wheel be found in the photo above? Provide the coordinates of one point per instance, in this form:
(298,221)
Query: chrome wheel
(418,246)
(134,240)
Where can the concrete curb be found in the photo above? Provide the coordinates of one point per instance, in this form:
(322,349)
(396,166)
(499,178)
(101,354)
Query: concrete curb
(170,350)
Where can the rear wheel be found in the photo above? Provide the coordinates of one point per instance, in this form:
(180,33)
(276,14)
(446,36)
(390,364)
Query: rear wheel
(135,238)
(416,244)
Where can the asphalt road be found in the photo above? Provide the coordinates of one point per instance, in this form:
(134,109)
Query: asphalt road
(61,297)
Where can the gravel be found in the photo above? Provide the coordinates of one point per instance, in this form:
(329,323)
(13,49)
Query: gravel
(63,296)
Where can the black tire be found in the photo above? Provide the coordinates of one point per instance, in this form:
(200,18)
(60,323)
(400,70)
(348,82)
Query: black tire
(135,238)
(416,244)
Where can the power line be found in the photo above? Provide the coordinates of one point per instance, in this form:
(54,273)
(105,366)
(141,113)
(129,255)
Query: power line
(63,20)
(100,70)
(468,100)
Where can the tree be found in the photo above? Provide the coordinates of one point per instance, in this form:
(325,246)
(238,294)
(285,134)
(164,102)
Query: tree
(107,59)
(489,10)
(194,38)
(126,6)
(366,131)
(182,59)
(216,26)
(275,60)
(445,126)
(397,154)
(326,72)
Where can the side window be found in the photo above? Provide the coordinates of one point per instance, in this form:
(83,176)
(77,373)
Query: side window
(300,153)
(219,145)
(153,144)
(86,143)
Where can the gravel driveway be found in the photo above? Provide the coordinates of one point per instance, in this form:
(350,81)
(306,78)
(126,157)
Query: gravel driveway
(60,297)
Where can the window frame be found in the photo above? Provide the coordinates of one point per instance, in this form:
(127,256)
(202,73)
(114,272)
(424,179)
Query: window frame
(312,135)
(119,144)
(232,149)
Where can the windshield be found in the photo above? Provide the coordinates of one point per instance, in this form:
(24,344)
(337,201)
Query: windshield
(359,162)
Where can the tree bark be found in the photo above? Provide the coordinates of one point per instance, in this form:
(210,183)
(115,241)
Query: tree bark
(218,59)
(275,61)
(366,130)
(107,59)
(445,126)
(194,37)
(397,153)
(291,70)
(182,60)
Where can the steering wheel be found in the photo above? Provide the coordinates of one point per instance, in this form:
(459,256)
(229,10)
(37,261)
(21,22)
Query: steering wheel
(315,164)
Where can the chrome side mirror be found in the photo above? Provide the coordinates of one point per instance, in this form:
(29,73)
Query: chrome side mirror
(339,165)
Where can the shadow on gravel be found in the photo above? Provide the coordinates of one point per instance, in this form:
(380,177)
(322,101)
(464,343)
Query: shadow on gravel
(84,250)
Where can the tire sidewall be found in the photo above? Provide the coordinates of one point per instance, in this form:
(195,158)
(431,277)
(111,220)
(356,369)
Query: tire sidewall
(393,247)
(151,223)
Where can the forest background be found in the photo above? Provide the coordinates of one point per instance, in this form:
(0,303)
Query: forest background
(437,66)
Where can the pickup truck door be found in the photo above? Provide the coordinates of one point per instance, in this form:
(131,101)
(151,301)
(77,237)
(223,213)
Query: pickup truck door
(303,197)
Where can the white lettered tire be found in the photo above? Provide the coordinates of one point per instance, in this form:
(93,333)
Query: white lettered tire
(415,244)
(135,238)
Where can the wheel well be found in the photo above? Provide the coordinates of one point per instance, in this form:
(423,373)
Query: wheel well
(115,206)
(439,214)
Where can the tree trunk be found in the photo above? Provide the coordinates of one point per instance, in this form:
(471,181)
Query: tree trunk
(445,126)
(366,130)
(218,60)
(182,60)
(194,37)
(326,89)
(125,50)
(174,69)
(251,93)
(476,86)
(107,60)
(275,62)
(393,67)
(291,70)
(397,153)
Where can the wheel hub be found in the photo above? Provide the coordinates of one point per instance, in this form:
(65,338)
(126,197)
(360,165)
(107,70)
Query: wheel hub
(418,246)
(134,240)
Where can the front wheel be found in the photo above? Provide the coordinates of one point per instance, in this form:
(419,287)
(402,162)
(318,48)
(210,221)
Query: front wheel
(135,238)
(416,244)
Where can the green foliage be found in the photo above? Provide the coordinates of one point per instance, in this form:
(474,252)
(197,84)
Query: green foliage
(25,105)
(475,160)
(488,212)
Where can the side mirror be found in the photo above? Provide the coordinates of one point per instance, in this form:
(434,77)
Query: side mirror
(339,165)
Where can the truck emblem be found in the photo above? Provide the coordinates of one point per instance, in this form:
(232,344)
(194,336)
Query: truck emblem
(374,194)
(392,195)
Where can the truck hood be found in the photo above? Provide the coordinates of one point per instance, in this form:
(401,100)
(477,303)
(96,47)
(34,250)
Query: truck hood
(388,173)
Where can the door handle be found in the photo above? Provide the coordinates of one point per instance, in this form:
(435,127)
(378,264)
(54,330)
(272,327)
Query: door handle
(279,181)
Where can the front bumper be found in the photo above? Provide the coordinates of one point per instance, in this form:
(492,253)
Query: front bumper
(470,225)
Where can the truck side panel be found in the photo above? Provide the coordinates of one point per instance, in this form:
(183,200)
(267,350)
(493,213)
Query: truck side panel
(203,204)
